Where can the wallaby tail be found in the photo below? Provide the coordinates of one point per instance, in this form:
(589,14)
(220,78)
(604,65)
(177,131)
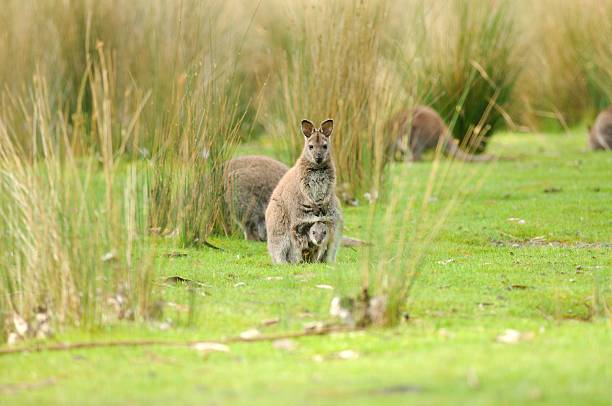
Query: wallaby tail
(453,151)
(352,242)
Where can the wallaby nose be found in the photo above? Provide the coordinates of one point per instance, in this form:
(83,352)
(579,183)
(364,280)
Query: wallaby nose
(319,159)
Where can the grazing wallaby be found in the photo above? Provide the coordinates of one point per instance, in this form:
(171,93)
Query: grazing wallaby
(249,182)
(600,134)
(306,194)
(311,239)
(421,129)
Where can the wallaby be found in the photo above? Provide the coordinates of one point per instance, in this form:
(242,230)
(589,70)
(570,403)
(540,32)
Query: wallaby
(249,182)
(306,194)
(600,134)
(421,129)
(311,240)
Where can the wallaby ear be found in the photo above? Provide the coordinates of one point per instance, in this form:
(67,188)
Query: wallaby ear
(307,128)
(327,127)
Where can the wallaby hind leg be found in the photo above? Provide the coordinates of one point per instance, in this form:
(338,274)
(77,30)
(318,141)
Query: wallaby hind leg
(416,150)
(251,231)
(281,250)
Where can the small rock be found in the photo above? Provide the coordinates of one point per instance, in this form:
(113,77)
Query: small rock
(250,334)
(343,309)
(270,322)
(211,347)
(165,326)
(348,354)
(318,358)
(511,336)
(444,333)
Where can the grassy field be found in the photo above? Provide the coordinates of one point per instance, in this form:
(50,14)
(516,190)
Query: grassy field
(486,272)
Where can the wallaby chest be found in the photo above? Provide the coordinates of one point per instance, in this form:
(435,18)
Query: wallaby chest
(318,185)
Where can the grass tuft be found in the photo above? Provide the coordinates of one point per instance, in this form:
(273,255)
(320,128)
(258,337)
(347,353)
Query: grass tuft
(71,227)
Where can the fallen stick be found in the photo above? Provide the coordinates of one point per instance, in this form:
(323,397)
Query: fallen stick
(164,343)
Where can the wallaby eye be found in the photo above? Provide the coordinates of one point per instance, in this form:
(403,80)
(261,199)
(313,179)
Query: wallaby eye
(310,146)
(325,146)
(324,232)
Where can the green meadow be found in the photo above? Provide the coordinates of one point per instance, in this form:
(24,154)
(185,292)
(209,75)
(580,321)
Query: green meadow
(546,277)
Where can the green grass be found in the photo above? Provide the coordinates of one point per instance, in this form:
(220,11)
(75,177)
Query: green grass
(446,353)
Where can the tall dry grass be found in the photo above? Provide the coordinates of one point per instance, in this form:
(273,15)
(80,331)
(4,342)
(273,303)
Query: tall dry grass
(72,242)
(210,108)
(154,44)
(334,65)
(405,224)
(186,175)
(466,61)
(567,55)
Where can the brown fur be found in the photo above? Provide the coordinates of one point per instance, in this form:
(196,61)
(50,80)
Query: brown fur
(600,134)
(305,194)
(421,129)
(249,182)
(311,239)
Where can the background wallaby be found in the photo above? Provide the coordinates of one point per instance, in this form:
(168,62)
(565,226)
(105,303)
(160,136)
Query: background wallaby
(421,129)
(600,134)
(306,193)
(311,240)
(249,182)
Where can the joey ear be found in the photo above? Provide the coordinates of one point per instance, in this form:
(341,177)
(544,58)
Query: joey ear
(327,127)
(307,128)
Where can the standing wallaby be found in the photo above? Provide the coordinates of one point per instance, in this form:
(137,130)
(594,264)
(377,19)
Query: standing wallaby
(311,240)
(306,194)
(600,134)
(249,182)
(421,129)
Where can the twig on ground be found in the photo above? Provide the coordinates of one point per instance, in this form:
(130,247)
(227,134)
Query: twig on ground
(164,343)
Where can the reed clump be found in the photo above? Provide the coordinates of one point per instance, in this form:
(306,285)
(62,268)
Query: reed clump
(72,241)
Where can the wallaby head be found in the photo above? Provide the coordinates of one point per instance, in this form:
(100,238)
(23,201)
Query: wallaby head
(317,143)
(318,233)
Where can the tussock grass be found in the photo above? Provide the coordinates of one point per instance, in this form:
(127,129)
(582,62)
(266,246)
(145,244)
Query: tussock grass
(336,68)
(208,113)
(466,61)
(71,227)
(187,169)
(151,45)
(409,220)
(567,57)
